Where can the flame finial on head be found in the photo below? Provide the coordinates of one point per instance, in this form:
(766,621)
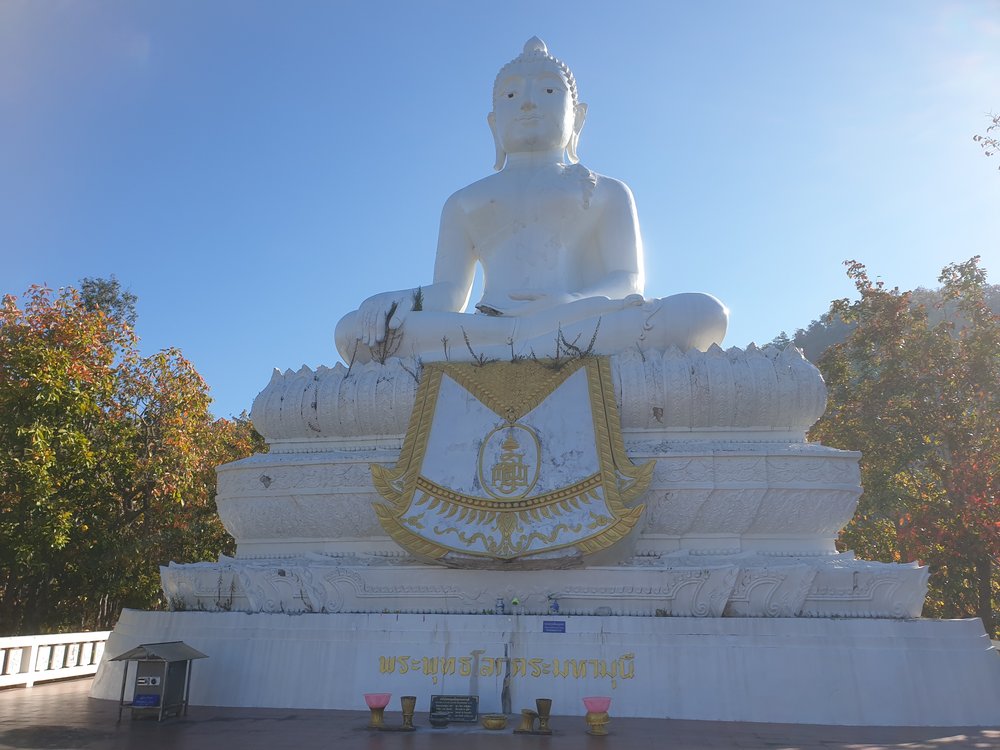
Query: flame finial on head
(535,49)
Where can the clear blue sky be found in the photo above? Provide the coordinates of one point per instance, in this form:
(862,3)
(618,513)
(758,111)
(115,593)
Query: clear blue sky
(253,170)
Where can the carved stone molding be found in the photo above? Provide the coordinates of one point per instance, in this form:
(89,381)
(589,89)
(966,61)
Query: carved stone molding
(675,585)
(786,499)
(757,390)
(777,591)
(873,589)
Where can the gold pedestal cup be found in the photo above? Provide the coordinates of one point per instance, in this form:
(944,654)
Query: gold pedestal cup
(544,707)
(409,704)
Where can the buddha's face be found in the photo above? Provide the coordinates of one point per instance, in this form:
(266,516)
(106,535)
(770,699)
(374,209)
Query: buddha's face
(533,109)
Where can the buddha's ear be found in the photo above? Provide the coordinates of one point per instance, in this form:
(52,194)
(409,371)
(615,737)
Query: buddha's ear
(501,154)
(579,117)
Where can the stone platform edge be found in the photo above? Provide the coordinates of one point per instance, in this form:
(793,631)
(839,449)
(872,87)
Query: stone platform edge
(794,670)
(675,586)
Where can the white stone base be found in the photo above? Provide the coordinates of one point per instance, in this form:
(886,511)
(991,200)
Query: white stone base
(812,671)
(719,496)
(676,585)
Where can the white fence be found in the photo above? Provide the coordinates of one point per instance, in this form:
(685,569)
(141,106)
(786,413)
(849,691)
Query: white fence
(27,659)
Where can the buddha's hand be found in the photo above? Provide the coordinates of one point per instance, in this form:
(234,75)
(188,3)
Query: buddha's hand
(536,300)
(381,314)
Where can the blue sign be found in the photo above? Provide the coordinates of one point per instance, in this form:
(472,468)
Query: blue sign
(553,626)
(146,701)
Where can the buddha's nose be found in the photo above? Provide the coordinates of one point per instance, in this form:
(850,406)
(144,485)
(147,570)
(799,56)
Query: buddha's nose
(528,104)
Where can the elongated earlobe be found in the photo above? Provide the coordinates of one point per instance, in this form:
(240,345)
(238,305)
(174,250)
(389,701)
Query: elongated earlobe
(501,155)
(571,149)
(580,117)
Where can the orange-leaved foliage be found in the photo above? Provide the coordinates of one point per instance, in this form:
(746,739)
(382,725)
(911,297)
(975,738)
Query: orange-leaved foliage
(106,465)
(922,403)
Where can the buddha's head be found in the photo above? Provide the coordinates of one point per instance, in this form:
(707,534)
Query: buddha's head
(535,105)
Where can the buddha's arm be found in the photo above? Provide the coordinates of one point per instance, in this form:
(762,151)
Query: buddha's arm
(454,263)
(619,244)
(454,270)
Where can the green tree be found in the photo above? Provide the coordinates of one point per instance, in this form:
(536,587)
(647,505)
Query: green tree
(780,341)
(107,295)
(922,402)
(106,464)
(820,334)
(989,142)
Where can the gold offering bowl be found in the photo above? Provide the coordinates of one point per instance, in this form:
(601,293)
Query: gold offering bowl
(494,721)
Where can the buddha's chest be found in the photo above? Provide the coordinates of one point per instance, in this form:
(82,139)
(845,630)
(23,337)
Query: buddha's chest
(550,215)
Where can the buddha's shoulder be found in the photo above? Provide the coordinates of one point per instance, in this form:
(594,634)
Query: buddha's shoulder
(478,187)
(487,186)
(603,182)
(602,188)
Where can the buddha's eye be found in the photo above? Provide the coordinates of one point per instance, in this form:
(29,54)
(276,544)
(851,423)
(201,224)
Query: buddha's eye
(510,94)
(550,91)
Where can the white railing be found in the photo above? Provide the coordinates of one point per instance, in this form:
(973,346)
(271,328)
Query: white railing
(27,659)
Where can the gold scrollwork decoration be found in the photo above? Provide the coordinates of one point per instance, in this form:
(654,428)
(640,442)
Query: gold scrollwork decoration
(508,524)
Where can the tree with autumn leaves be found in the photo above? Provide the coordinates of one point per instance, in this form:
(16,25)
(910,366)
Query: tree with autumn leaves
(107,461)
(922,403)
(107,457)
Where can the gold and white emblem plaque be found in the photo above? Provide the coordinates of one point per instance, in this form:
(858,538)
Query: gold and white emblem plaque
(512,461)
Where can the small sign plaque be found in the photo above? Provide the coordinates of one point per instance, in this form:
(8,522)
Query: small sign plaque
(145,700)
(553,626)
(456,707)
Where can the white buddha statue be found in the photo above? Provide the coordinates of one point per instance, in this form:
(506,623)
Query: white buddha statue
(559,246)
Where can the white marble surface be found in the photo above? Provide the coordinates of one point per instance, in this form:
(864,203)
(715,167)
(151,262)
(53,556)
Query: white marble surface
(568,452)
(823,671)
(763,394)
(706,496)
(559,247)
(675,585)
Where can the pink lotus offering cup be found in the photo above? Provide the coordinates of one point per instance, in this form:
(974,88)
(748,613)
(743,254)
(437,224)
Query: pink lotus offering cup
(378,700)
(597,714)
(376,704)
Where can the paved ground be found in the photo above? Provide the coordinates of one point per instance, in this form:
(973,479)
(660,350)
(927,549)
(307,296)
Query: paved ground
(60,715)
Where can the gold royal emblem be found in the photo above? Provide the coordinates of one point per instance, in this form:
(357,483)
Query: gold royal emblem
(510,475)
(512,460)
